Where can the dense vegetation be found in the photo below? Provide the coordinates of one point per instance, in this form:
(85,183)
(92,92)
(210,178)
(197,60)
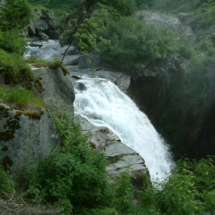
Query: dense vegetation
(74,176)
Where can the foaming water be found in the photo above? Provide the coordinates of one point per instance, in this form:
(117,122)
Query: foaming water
(104,104)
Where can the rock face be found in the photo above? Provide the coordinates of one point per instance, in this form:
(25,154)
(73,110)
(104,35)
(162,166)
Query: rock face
(56,88)
(26,137)
(169,22)
(120,156)
(43,26)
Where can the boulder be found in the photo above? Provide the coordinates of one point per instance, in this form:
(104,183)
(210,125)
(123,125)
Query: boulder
(55,86)
(120,157)
(92,60)
(43,36)
(183,16)
(26,137)
(43,23)
(169,22)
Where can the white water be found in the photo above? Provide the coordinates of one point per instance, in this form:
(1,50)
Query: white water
(103,104)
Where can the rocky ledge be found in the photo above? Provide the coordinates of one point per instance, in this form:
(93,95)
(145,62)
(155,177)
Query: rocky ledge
(120,157)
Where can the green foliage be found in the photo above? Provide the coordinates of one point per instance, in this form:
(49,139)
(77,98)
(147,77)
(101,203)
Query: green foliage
(66,5)
(91,18)
(15,14)
(6,184)
(134,43)
(75,175)
(189,190)
(14,68)
(20,97)
(12,42)
(124,193)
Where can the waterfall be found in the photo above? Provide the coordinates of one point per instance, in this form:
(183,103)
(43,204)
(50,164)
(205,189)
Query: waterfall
(103,104)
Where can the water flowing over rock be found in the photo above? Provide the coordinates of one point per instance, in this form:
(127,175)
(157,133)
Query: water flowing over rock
(104,105)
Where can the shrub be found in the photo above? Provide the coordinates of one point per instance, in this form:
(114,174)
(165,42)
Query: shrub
(75,175)
(134,43)
(15,14)
(12,42)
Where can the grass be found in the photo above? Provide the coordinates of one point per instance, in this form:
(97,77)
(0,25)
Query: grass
(14,68)
(52,65)
(20,97)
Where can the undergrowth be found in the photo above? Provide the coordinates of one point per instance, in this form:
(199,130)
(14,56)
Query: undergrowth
(6,184)
(19,96)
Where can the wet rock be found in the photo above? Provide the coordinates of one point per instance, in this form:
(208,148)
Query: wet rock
(120,157)
(81,87)
(43,36)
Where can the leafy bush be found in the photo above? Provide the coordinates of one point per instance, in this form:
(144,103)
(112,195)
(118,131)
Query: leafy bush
(75,175)
(15,14)
(12,42)
(124,193)
(14,68)
(134,43)
(20,97)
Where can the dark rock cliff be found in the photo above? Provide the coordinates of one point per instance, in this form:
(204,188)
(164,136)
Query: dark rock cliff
(186,120)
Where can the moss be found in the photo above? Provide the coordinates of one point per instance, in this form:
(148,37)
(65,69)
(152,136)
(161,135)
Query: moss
(31,114)
(39,86)
(52,65)
(10,126)
(93,145)
(12,123)
(114,159)
(55,64)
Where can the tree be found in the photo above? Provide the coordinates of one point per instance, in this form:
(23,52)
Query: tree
(15,14)
(81,20)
